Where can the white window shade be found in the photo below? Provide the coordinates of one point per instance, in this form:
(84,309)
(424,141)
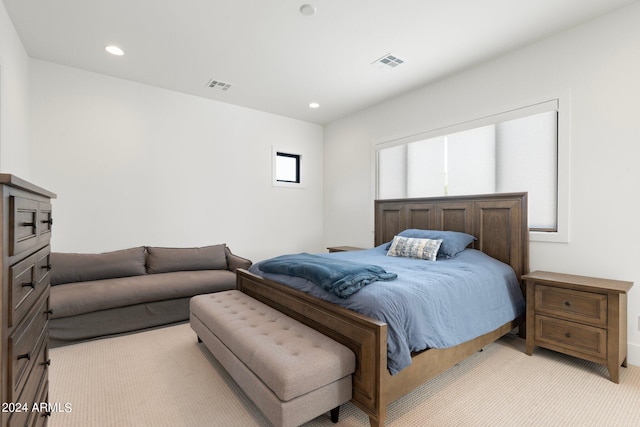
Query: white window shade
(425,174)
(471,161)
(517,150)
(392,172)
(527,161)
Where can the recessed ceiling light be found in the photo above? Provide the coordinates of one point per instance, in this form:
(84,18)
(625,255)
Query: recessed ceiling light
(307,9)
(114,50)
(314,105)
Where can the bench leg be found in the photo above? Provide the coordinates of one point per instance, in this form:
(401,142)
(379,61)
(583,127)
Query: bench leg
(335,414)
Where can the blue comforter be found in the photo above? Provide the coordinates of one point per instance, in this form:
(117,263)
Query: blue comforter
(432,304)
(341,277)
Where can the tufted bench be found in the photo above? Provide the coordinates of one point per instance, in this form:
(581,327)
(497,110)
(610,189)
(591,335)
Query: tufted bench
(291,372)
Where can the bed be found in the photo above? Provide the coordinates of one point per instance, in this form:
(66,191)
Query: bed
(498,221)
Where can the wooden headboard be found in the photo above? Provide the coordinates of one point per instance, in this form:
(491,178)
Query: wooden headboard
(498,221)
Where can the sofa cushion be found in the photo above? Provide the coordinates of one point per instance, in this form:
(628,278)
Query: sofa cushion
(72,267)
(164,260)
(85,297)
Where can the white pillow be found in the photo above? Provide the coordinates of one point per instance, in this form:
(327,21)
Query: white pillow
(414,248)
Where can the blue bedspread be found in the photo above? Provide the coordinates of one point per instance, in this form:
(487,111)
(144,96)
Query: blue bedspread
(432,304)
(341,277)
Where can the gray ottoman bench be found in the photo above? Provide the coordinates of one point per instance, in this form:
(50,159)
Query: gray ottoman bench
(291,372)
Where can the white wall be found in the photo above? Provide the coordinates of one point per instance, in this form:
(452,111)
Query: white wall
(14,100)
(137,165)
(598,63)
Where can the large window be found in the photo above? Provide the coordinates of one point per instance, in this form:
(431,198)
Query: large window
(507,152)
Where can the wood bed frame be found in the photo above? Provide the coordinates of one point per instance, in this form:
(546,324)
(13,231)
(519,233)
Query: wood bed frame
(499,221)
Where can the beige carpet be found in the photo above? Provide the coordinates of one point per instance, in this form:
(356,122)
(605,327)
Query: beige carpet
(164,378)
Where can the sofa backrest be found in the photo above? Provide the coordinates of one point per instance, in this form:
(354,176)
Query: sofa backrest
(73,267)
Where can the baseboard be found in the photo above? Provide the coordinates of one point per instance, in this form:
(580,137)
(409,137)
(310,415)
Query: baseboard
(633,354)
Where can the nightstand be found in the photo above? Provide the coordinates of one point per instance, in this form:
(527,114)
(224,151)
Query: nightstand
(580,316)
(343,248)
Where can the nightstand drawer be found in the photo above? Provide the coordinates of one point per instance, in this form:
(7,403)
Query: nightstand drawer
(568,304)
(584,339)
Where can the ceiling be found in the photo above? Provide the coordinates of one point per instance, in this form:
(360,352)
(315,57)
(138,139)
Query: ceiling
(279,60)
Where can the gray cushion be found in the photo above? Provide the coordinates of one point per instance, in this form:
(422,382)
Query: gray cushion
(72,267)
(86,297)
(163,260)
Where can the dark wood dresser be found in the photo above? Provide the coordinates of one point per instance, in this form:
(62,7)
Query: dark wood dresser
(24,320)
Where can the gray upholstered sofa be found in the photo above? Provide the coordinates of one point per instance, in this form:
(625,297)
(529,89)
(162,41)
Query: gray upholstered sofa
(95,295)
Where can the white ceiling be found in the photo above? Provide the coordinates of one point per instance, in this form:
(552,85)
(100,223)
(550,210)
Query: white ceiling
(280,60)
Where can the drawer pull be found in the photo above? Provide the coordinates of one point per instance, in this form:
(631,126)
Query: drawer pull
(47,267)
(48,221)
(24,356)
(567,303)
(568,335)
(32,285)
(47,363)
(28,224)
(49,312)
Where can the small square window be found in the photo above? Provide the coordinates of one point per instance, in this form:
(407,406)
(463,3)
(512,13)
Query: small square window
(287,168)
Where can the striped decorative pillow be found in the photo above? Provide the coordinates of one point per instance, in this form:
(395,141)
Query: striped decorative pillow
(414,248)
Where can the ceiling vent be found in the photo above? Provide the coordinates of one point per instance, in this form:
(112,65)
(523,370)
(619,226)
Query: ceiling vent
(387,61)
(217,84)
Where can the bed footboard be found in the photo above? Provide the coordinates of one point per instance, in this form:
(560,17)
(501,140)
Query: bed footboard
(365,336)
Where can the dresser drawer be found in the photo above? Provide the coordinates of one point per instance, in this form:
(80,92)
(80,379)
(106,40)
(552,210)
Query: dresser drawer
(21,418)
(39,419)
(22,288)
(580,338)
(45,221)
(30,224)
(587,307)
(35,390)
(43,267)
(24,224)
(24,344)
(29,278)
